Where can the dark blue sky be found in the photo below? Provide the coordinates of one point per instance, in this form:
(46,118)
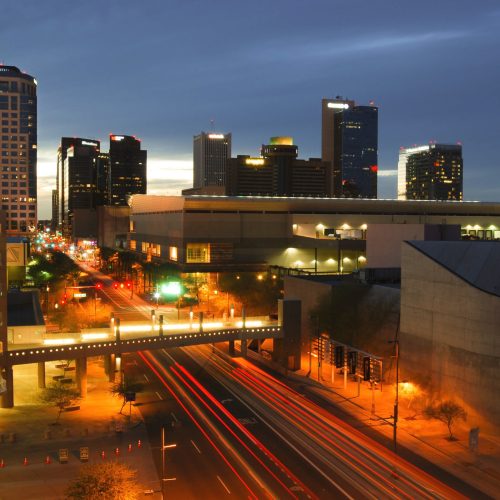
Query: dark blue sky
(162,70)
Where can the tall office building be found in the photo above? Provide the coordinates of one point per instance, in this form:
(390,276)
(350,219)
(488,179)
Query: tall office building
(349,141)
(18,153)
(210,154)
(78,172)
(127,169)
(431,172)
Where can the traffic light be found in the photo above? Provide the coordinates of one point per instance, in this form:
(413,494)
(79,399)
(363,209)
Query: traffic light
(129,284)
(115,285)
(98,286)
(366,368)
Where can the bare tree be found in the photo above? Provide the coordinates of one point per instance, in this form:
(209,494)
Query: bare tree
(60,395)
(448,412)
(124,388)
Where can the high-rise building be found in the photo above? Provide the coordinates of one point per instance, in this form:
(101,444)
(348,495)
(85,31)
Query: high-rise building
(349,141)
(18,149)
(127,169)
(431,172)
(77,178)
(210,154)
(278,172)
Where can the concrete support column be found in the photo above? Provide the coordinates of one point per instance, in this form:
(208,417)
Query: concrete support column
(201,322)
(231,347)
(243,348)
(107,362)
(41,374)
(286,351)
(81,376)
(112,367)
(7,398)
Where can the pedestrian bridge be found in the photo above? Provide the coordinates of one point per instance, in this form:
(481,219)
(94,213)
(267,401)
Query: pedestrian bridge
(67,347)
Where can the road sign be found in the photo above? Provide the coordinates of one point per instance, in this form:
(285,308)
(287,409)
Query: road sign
(63,455)
(84,454)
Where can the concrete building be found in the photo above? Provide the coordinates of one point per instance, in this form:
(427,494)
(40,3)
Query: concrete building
(431,172)
(113,224)
(18,149)
(278,172)
(210,154)
(450,322)
(213,233)
(349,141)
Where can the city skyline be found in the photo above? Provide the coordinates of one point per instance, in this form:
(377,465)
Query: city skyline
(185,67)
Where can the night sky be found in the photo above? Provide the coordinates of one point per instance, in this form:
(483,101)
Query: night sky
(163,70)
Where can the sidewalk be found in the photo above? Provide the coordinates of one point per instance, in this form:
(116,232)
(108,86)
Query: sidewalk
(96,425)
(424,437)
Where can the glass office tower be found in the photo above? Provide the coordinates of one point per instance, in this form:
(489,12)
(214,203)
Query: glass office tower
(127,169)
(350,143)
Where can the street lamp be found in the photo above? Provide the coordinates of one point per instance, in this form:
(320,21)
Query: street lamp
(163,448)
(396,399)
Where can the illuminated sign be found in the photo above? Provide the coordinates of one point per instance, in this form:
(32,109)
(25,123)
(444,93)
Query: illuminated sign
(338,105)
(79,295)
(216,136)
(172,288)
(281,141)
(117,137)
(255,162)
(88,143)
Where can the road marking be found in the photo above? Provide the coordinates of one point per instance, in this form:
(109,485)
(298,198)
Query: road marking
(146,377)
(159,397)
(225,487)
(174,417)
(196,447)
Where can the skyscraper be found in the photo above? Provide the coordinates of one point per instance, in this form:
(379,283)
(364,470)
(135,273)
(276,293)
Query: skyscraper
(18,153)
(127,168)
(77,178)
(431,172)
(349,141)
(210,154)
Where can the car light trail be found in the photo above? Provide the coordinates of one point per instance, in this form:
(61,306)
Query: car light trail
(194,420)
(246,432)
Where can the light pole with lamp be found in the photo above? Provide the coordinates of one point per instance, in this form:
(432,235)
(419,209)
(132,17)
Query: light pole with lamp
(163,448)
(396,399)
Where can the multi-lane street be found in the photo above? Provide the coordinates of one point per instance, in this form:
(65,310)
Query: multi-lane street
(239,431)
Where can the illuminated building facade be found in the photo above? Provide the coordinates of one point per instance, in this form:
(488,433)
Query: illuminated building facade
(350,143)
(216,233)
(127,169)
(431,172)
(278,172)
(210,154)
(18,149)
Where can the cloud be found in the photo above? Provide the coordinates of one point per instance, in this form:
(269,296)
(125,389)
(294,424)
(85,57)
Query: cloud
(387,173)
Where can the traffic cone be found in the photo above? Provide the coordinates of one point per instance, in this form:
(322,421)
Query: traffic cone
(48,460)
(103,455)
(129,448)
(117,451)
(2,464)
(25,462)
(139,444)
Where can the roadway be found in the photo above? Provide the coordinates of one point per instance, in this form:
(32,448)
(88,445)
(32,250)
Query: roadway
(240,431)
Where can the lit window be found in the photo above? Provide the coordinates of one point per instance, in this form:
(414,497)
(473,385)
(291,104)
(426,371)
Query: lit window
(173,253)
(198,252)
